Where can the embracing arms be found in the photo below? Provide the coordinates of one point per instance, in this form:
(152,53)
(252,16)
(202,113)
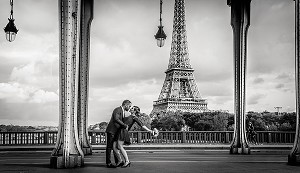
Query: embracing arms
(117,117)
(135,119)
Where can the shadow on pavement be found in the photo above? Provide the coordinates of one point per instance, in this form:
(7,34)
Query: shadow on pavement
(45,165)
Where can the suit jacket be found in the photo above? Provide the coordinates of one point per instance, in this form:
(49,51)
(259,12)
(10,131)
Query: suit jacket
(116,121)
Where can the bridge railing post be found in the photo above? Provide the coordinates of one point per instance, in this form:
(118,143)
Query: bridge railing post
(139,137)
(46,138)
(183,137)
(93,137)
(269,137)
(227,137)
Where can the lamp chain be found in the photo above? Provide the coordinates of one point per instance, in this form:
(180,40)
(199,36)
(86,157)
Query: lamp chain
(161,1)
(11,10)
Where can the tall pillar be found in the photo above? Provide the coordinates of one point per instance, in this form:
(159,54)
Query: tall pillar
(240,22)
(67,152)
(294,156)
(86,20)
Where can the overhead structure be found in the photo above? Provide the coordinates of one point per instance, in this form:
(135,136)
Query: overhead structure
(179,91)
(72,140)
(294,156)
(240,22)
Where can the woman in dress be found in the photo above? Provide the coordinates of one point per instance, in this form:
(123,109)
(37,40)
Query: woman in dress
(123,135)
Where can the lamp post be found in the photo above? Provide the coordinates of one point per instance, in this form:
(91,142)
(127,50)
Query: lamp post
(160,36)
(10,29)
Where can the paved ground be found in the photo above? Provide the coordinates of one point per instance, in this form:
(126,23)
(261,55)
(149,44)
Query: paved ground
(157,161)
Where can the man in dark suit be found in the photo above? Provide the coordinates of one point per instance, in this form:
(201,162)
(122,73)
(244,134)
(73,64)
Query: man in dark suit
(115,123)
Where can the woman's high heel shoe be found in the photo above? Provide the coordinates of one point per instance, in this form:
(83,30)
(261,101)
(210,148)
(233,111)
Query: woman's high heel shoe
(120,164)
(126,165)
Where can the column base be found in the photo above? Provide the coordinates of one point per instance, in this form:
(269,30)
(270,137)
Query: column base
(234,150)
(58,162)
(87,151)
(294,159)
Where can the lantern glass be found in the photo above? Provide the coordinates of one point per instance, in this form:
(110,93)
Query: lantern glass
(160,42)
(10,36)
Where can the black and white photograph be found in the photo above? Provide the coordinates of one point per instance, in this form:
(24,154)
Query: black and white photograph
(169,86)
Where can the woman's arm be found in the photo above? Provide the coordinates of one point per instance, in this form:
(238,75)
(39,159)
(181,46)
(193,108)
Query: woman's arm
(147,129)
(135,119)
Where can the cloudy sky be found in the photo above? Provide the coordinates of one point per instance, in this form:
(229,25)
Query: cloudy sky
(127,64)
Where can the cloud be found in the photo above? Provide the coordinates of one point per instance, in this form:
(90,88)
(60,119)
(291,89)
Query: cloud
(22,104)
(37,74)
(271,51)
(216,88)
(258,80)
(254,99)
(13,93)
(278,86)
(277,6)
(17,93)
(41,96)
(285,77)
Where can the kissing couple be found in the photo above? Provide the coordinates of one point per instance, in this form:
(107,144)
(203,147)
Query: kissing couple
(117,133)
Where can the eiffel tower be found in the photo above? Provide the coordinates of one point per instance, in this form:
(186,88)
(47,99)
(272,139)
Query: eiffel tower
(179,91)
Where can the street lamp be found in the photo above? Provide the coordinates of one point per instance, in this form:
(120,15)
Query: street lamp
(160,36)
(10,29)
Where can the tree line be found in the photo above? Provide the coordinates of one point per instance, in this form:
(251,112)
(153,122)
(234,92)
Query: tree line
(222,121)
(206,121)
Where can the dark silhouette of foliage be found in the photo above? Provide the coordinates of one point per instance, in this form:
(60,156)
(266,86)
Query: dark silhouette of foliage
(170,121)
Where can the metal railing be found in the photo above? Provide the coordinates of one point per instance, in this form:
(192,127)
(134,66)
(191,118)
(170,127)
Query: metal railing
(142,137)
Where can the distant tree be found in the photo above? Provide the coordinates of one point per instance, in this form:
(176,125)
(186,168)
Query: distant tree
(230,124)
(285,127)
(103,125)
(257,121)
(220,122)
(98,126)
(171,121)
(191,119)
(3,128)
(289,118)
(16,128)
(30,128)
(156,123)
(207,121)
(272,122)
(270,118)
(203,125)
(272,127)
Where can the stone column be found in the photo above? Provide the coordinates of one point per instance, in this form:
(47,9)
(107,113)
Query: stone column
(84,51)
(240,22)
(67,152)
(294,156)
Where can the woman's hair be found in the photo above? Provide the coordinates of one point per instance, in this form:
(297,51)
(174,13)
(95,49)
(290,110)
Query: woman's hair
(137,110)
